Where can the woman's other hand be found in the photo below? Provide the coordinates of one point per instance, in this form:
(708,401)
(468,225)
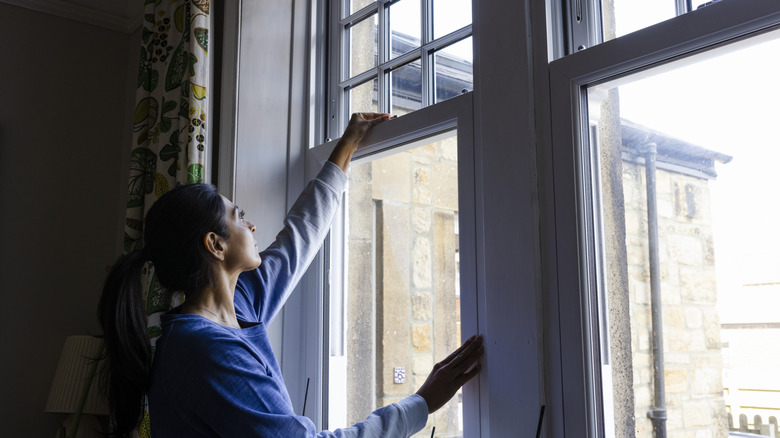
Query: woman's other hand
(359,125)
(451,373)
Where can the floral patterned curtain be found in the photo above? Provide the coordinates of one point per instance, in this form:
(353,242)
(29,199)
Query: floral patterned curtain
(169,134)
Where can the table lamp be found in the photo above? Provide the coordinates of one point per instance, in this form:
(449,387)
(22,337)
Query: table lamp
(73,390)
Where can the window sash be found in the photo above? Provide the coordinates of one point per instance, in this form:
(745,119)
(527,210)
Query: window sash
(576,229)
(416,128)
(339,78)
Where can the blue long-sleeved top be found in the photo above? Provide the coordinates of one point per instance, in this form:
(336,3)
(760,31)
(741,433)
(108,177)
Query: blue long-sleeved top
(209,380)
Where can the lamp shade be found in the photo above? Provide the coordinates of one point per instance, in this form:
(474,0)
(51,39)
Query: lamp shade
(73,371)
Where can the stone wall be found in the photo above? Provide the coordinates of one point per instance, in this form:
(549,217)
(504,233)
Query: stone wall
(402,240)
(691,332)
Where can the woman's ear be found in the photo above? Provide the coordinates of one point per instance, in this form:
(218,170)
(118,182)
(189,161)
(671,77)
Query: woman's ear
(215,245)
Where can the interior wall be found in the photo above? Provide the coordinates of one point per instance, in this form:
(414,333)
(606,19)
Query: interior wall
(65,107)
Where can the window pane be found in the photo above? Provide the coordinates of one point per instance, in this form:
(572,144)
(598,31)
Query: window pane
(362,44)
(621,17)
(454,70)
(405,27)
(400,302)
(356,5)
(450,15)
(406,88)
(686,163)
(630,16)
(362,99)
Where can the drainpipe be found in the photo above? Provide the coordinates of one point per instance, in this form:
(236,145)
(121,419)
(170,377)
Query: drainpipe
(657,413)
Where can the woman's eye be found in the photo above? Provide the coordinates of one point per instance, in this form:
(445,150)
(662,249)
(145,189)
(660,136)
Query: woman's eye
(241,214)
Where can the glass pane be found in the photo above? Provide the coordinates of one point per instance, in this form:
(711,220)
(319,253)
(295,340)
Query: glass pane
(405,27)
(356,5)
(400,304)
(406,88)
(362,45)
(362,99)
(630,16)
(621,17)
(450,15)
(454,70)
(686,160)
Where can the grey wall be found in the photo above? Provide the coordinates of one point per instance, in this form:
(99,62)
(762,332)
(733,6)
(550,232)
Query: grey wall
(65,91)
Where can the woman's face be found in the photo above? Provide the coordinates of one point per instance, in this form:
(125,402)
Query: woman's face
(241,248)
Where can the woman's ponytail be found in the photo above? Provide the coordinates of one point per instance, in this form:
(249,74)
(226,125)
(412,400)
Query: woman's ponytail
(174,228)
(122,316)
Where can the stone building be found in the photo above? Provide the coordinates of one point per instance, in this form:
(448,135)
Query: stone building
(693,363)
(406,246)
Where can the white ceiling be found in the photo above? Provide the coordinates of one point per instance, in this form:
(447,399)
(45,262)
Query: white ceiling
(119,15)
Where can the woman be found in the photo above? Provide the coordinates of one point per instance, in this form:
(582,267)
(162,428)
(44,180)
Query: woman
(214,372)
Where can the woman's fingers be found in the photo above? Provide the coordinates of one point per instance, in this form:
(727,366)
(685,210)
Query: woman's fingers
(452,373)
(469,343)
(465,377)
(462,358)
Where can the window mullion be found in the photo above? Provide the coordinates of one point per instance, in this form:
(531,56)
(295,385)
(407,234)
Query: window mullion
(426,56)
(383,54)
(339,45)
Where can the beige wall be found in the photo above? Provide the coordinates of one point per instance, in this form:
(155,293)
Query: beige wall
(64,88)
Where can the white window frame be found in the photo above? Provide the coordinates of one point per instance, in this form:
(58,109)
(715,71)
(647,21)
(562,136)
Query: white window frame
(339,80)
(573,363)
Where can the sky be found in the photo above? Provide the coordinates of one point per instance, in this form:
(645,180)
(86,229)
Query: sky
(730,104)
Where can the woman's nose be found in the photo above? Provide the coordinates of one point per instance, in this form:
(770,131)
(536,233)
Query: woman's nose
(251,226)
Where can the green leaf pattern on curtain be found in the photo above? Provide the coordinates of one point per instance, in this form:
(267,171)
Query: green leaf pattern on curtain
(169,127)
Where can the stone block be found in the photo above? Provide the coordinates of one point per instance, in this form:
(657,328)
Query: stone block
(698,286)
(674,419)
(674,317)
(676,380)
(686,250)
(676,340)
(444,186)
(707,381)
(670,295)
(421,260)
(712,337)
(636,255)
(425,153)
(636,224)
(421,338)
(421,189)
(643,340)
(421,219)
(693,318)
(448,149)
(422,365)
(391,178)
(696,413)
(422,307)
(643,398)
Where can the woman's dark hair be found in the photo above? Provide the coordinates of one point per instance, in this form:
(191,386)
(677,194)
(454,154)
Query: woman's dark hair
(173,241)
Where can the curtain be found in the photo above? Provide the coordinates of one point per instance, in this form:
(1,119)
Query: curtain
(169,127)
